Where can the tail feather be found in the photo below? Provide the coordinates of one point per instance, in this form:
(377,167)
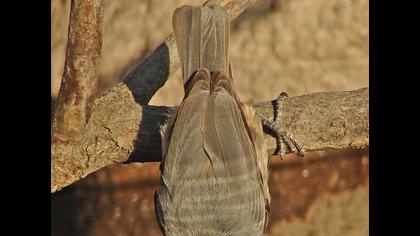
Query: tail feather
(202,37)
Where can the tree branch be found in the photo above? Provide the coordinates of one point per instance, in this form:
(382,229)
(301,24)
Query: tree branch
(121,131)
(81,73)
(328,120)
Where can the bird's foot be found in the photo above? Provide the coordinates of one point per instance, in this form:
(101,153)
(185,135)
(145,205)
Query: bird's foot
(283,137)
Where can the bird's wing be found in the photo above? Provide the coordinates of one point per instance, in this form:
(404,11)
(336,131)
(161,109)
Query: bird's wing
(211,174)
(212,180)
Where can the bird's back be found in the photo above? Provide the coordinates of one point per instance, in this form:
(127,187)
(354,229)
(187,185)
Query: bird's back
(210,183)
(213,179)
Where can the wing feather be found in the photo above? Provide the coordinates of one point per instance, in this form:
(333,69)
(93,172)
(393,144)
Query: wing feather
(213,179)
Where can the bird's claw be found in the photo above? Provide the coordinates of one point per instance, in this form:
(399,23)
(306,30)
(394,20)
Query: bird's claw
(283,137)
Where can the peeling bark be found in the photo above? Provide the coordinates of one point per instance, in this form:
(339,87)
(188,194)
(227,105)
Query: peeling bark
(81,73)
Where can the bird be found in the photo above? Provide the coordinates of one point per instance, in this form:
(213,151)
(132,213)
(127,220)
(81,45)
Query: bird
(214,168)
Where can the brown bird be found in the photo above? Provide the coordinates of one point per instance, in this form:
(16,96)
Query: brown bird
(214,172)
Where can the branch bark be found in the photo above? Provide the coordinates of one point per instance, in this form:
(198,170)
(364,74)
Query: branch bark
(81,73)
(121,131)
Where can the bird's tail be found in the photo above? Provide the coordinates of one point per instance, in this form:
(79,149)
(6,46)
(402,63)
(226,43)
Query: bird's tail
(202,38)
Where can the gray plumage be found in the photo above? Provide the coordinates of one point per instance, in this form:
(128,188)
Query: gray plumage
(214,168)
